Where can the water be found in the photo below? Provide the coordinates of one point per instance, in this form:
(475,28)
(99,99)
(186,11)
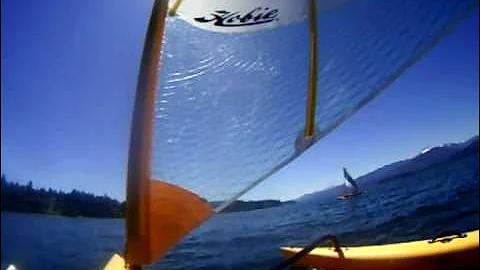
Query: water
(443,197)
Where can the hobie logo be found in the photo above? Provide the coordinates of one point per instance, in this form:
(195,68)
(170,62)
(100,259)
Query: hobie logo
(258,15)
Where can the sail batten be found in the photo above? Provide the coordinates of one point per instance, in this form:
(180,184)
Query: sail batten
(313,72)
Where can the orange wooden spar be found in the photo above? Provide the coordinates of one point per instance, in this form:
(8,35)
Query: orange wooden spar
(158,214)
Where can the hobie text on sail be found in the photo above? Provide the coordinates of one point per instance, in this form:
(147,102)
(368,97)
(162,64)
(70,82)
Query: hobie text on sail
(225,18)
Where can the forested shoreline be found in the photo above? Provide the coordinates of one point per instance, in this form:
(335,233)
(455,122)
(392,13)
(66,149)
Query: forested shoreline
(27,199)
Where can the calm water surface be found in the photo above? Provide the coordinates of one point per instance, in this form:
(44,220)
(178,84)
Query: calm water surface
(443,197)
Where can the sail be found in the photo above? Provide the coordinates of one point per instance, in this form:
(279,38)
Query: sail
(349,182)
(227,105)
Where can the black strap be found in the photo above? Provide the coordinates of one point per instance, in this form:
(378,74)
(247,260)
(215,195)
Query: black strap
(445,234)
(331,238)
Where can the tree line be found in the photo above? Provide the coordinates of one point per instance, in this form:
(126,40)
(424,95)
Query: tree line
(24,198)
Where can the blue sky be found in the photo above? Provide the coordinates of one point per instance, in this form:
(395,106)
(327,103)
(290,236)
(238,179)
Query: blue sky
(69,72)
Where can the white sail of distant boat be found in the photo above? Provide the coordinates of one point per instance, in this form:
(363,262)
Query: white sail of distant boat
(229,92)
(351,188)
(349,182)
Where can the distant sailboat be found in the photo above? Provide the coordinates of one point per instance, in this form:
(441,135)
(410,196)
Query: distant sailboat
(351,187)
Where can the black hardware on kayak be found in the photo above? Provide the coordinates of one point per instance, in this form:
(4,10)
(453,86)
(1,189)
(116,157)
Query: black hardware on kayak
(331,238)
(445,234)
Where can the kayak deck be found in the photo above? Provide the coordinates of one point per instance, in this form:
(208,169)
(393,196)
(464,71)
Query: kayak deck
(115,263)
(446,253)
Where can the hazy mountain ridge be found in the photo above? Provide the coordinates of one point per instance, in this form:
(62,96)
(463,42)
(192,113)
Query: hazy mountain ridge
(25,198)
(239,205)
(405,167)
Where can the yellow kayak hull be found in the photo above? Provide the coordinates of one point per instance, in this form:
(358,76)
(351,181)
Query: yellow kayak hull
(445,253)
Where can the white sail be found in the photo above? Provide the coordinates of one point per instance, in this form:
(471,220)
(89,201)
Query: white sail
(229,109)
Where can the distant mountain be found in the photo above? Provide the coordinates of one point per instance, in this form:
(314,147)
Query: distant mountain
(426,158)
(329,192)
(422,161)
(239,206)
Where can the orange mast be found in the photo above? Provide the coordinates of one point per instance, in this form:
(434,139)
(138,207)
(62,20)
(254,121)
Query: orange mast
(138,249)
(159,214)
